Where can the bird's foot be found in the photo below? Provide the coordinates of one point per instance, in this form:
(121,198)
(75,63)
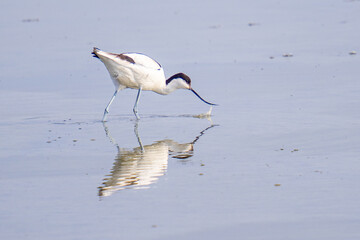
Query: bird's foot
(105,115)
(136,113)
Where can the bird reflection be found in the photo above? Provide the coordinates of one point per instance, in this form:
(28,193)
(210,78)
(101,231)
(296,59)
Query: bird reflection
(140,167)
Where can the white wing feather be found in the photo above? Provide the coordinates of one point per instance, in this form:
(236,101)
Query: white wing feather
(144,61)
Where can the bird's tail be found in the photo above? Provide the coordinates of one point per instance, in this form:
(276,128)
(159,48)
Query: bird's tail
(94,52)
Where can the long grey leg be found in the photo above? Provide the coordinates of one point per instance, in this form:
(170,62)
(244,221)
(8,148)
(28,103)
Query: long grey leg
(136,126)
(135,109)
(108,106)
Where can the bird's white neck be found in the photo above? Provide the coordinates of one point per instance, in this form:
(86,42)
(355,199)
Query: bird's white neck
(169,88)
(175,82)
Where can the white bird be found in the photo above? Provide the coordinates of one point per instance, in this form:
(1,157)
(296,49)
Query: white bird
(138,71)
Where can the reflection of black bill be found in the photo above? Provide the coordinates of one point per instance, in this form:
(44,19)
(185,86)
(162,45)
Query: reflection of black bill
(201,97)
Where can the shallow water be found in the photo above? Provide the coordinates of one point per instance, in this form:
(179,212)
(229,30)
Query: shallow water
(278,158)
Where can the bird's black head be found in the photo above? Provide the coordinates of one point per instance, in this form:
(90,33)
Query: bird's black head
(182,76)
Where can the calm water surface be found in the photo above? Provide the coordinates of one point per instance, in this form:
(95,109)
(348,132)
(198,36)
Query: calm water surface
(278,158)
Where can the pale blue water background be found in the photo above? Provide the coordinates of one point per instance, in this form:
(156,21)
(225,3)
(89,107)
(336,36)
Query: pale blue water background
(282,162)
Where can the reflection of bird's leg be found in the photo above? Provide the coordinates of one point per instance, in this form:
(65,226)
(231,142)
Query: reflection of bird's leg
(107,132)
(136,126)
